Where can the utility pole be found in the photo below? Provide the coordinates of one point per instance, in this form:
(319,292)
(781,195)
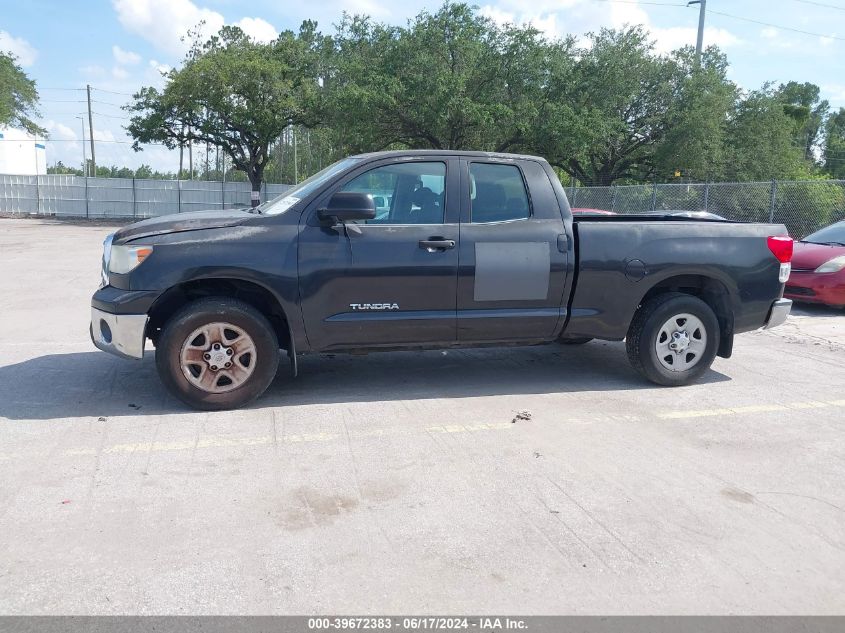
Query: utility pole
(702,9)
(181,152)
(190,155)
(84,157)
(91,135)
(295,174)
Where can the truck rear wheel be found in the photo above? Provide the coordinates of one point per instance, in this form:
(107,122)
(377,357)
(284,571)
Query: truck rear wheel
(673,339)
(217,353)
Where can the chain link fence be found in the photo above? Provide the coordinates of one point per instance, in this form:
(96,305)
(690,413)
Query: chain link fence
(78,196)
(803,206)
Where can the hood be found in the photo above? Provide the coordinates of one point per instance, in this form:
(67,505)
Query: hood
(808,256)
(191,221)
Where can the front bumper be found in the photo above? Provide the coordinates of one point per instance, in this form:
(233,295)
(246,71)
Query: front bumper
(778,313)
(119,334)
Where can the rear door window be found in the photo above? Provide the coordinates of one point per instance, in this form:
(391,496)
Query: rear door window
(497,193)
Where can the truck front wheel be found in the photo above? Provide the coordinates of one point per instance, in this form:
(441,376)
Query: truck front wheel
(673,339)
(217,353)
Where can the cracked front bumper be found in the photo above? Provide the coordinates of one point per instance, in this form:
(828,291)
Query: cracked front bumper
(119,334)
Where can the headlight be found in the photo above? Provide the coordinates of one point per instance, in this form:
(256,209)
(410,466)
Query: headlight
(127,257)
(832,265)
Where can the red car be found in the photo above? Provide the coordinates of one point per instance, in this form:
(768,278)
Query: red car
(818,267)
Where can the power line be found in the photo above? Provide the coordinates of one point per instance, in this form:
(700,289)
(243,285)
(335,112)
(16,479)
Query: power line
(822,4)
(776,26)
(110,116)
(112,92)
(108,103)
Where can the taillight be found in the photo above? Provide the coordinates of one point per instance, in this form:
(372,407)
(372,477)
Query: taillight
(781,247)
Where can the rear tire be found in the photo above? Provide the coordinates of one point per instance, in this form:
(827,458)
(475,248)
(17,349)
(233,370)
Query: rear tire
(673,339)
(217,353)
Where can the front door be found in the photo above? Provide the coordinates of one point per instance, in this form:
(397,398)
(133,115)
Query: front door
(391,280)
(513,261)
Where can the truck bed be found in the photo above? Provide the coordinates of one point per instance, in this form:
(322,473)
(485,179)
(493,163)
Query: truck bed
(619,258)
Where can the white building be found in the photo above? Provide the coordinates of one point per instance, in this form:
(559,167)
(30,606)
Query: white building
(21,153)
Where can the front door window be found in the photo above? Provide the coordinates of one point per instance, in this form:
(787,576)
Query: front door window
(404,193)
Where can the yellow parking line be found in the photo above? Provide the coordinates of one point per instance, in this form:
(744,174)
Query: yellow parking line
(263,440)
(808,405)
(757,408)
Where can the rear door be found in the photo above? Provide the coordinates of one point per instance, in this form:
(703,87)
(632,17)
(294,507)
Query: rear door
(392,280)
(512,259)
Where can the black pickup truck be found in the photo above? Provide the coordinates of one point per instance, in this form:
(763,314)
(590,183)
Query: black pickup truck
(427,249)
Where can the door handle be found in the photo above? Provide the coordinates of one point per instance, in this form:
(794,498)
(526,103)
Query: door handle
(437,244)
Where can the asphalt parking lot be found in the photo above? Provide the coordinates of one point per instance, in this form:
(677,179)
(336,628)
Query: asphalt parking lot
(408,482)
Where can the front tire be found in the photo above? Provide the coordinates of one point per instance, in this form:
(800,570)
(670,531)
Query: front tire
(673,339)
(217,353)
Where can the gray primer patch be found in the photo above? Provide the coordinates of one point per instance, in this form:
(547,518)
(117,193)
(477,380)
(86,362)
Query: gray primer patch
(511,271)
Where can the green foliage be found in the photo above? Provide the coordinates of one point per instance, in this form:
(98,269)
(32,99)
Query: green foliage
(834,145)
(760,142)
(608,112)
(696,140)
(801,103)
(448,80)
(312,149)
(61,168)
(234,94)
(805,206)
(607,106)
(143,172)
(18,97)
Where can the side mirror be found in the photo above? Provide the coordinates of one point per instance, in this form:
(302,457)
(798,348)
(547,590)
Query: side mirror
(345,206)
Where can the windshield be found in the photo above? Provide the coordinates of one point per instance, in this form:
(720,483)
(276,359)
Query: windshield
(295,194)
(833,234)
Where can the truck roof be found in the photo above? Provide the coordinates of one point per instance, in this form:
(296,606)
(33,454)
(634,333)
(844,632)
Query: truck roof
(447,152)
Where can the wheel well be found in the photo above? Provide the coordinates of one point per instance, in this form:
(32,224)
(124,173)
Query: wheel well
(713,292)
(257,296)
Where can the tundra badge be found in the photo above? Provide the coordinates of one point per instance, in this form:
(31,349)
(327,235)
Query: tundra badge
(374,306)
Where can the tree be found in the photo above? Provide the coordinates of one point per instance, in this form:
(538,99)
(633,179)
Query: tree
(18,97)
(607,107)
(234,94)
(61,168)
(760,142)
(834,145)
(114,172)
(694,143)
(452,79)
(801,103)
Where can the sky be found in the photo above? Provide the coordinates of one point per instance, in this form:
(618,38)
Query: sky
(118,46)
